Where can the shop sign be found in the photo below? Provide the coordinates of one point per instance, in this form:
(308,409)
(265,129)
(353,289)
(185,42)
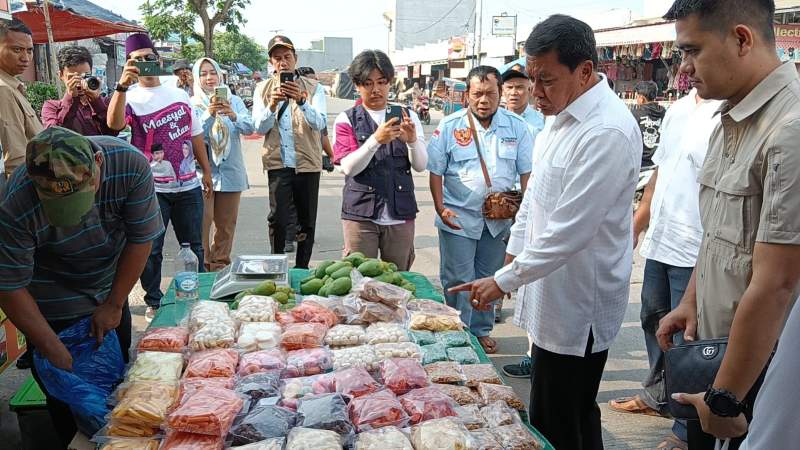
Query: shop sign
(504,25)
(787,42)
(426,70)
(457,48)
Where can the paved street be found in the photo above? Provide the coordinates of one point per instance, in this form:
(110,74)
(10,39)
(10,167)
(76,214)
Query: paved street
(627,363)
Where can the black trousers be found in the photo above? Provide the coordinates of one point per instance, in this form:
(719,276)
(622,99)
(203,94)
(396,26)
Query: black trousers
(287,187)
(563,397)
(59,411)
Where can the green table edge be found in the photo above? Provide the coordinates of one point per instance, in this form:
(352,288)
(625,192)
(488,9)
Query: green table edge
(28,396)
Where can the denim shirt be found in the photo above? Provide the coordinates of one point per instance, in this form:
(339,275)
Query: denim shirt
(507,148)
(231,174)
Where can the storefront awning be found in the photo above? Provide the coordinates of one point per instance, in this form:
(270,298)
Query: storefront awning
(71,20)
(662,32)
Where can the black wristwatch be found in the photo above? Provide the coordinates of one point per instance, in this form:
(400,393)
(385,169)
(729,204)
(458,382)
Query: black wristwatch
(120,88)
(723,403)
(301,102)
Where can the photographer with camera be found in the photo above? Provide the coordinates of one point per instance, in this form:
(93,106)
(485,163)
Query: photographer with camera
(82,109)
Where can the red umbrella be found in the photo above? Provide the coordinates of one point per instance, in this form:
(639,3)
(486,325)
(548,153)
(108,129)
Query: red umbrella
(69,25)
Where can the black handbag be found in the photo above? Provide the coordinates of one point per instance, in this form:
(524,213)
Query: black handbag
(691,368)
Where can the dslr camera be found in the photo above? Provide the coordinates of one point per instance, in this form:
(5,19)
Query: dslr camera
(90,82)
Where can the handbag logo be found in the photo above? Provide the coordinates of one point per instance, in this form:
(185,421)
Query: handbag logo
(709,351)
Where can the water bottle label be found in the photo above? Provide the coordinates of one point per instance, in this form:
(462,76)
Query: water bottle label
(186,284)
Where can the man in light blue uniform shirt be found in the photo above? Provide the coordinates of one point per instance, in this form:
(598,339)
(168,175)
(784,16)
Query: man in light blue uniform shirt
(469,244)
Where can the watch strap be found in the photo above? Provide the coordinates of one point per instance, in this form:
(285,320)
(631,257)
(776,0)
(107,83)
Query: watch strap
(120,88)
(731,407)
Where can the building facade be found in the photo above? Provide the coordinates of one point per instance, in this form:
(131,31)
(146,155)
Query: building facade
(329,53)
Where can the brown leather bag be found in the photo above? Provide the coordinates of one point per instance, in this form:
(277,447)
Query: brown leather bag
(496,205)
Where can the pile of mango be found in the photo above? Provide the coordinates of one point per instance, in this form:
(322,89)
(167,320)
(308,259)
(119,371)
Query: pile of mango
(333,277)
(281,294)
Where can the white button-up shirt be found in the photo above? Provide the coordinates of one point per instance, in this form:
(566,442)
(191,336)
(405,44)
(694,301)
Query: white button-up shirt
(573,238)
(675,230)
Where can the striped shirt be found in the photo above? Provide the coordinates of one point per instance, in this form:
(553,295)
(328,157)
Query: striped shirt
(69,271)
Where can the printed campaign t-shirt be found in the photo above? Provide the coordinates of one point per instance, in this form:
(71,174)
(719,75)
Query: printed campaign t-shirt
(162,125)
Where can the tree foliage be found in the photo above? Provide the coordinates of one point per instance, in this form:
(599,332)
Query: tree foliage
(230,47)
(166,17)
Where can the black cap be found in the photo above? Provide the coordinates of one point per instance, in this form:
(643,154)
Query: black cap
(180,65)
(279,41)
(511,74)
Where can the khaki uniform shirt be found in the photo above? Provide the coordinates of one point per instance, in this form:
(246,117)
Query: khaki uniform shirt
(18,122)
(749,192)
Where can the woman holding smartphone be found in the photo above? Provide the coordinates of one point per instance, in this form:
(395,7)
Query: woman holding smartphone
(377,145)
(225,119)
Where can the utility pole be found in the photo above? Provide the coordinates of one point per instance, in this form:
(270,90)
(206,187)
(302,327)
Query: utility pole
(480,30)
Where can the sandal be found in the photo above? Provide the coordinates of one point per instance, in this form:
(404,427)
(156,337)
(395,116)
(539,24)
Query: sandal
(672,442)
(489,345)
(632,405)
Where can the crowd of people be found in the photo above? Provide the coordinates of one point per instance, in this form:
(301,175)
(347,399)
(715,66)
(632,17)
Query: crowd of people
(83,213)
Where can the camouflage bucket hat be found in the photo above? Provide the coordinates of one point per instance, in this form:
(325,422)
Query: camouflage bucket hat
(61,165)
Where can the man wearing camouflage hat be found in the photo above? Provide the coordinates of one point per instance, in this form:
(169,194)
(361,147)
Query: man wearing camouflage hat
(78,224)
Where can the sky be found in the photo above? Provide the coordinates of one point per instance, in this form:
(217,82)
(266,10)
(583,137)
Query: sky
(362,20)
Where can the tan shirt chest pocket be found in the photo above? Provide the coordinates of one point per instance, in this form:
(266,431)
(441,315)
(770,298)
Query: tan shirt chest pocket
(730,207)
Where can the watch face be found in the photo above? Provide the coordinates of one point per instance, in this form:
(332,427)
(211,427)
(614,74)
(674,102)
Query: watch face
(721,405)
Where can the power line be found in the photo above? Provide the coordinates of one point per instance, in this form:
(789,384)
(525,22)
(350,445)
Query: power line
(441,18)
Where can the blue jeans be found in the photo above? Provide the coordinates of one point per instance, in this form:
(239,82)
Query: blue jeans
(185,210)
(464,260)
(662,290)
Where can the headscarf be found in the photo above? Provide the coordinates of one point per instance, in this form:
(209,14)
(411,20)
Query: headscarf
(219,135)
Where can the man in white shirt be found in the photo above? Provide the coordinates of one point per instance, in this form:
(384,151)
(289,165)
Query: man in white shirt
(571,247)
(670,207)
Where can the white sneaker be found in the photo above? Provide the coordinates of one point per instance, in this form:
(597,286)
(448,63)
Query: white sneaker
(149,313)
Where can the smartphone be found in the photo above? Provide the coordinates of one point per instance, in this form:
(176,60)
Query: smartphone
(287,76)
(149,68)
(394,111)
(222,94)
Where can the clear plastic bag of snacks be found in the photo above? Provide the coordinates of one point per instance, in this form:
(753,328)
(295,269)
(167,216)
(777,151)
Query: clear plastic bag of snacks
(311,439)
(439,434)
(386,333)
(346,311)
(461,394)
(169,339)
(355,382)
(483,439)
(189,386)
(498,414)
(307,362)
(453,338)
(361,356)
(371,312)
(284,318)
(381,409)
(207,313)
(312,312)
(156,366)
(145,403)
(470,416)
(263,422)
(491,393)
(255,336)
(386,438)
(378,291)
(295,389)
(346,336)
(431,307)
(255,308)
(297,336)
(463,355)
(262,361)
(208,411)
(217,363)
(427,404)
(433,353)
(325,412)
(220,334)
(434,322)
(191,441)
(129,430)
(398,350)
(422,337)
(259,386)
(402,375)
(130,444)
(444,372)
(480,373)
(516,437)
(269,444)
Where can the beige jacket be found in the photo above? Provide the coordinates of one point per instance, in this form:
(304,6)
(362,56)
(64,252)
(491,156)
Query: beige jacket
(18,122)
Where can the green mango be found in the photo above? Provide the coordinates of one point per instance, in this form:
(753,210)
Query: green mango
(370,268)
(385,277)
(285,289)
(323,291)
(311,287)
(398,279)
(280,297)
(320,271)
(335,267)
(343,272)
(392,267)
(307,279)
(355,258)
(266,288)
(409,286)
(341,286)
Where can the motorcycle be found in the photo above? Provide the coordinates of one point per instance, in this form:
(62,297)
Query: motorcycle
(645,174)
(422,108)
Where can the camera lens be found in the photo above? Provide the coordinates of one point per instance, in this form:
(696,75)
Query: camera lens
(92,83)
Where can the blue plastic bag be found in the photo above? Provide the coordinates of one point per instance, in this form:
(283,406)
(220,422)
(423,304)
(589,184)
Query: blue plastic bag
(95,373)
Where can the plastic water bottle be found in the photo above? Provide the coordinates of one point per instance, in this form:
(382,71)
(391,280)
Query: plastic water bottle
(186,280)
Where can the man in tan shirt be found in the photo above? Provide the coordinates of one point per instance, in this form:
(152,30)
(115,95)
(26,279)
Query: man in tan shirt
(746,276)
(18,121)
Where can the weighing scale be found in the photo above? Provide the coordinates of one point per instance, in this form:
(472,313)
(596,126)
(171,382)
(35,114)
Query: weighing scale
(248,271)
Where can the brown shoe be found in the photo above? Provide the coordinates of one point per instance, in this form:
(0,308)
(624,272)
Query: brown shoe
(632,405)
(489,345)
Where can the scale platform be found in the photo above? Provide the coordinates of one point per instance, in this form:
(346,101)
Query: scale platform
(248,271)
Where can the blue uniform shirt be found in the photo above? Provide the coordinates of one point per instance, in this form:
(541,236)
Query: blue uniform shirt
(507,147)
(535,119)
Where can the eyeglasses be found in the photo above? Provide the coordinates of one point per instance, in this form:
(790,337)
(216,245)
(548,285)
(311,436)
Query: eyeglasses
(149,57)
